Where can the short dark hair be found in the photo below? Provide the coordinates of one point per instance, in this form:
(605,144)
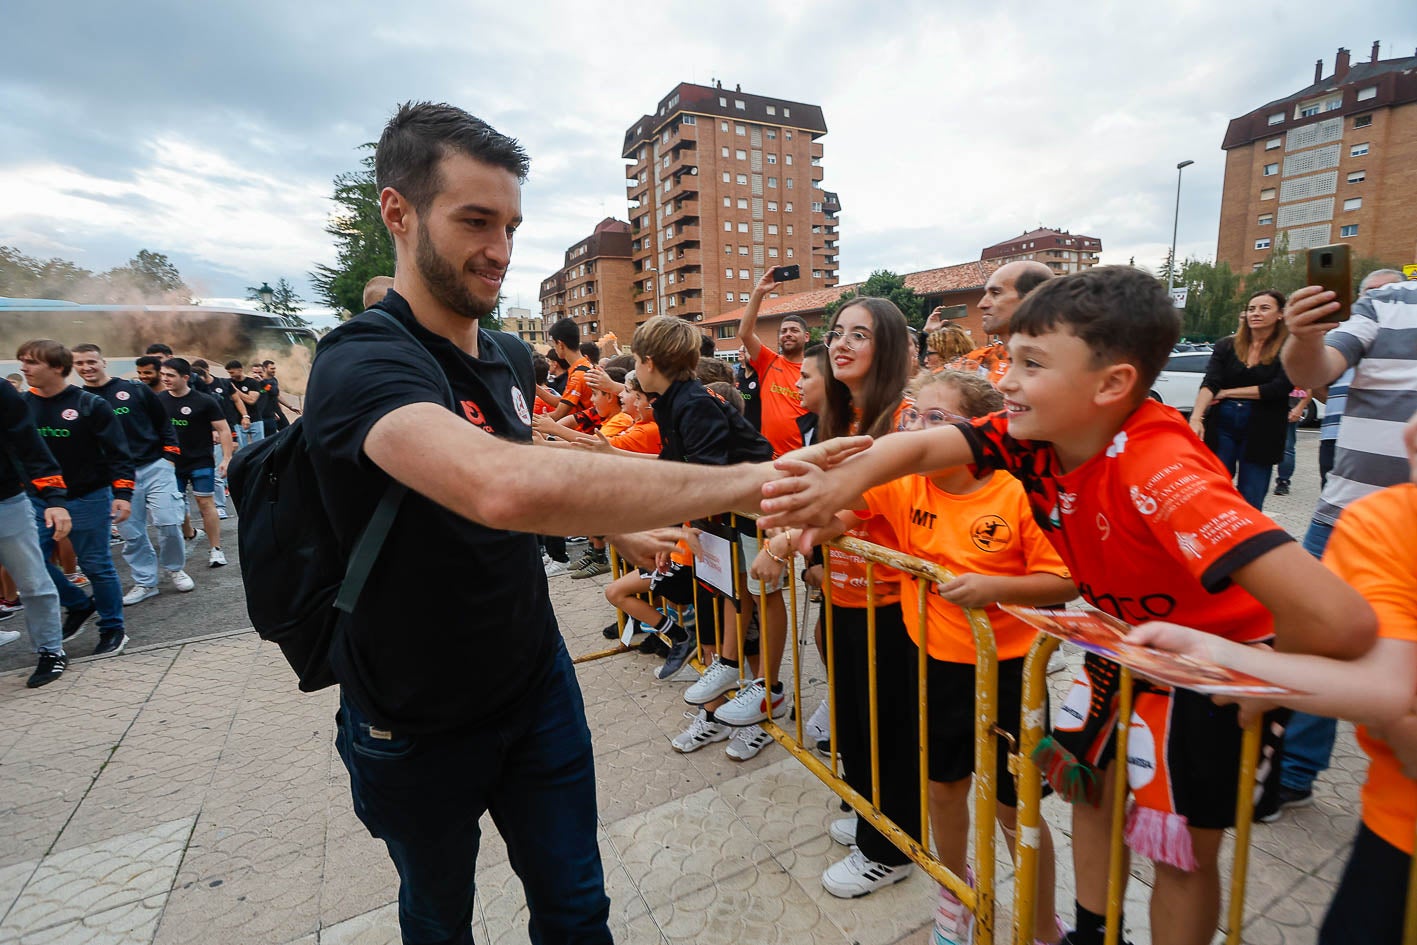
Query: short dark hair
(795,318)
(541,368)
(1122,314)
(591,350)
(712,370)
(616,374)
(157,347)
(566,331)
(1029,279)
(200,365)
(233,364)
(180,365)
(87,349)
(47,351)
(625,362)
(708,348)
(729,394)
(148,360)
(268,363)
(421,134)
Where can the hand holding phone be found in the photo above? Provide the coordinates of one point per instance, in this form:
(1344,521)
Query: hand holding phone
(1331,267)
(786,273)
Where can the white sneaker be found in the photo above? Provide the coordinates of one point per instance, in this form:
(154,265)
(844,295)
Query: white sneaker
(954,924)
(843,830)
(217,559)
(137,594)
(858,876)
(716,680)
(750,706)
(1056,662)
(818,727)
(747,742)
(700,732)
(221,512)
(556,568)
(8,636)
(182,580)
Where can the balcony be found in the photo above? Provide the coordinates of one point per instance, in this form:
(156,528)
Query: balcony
(686,212)
(683,132)
(684,282)
(691,308)
(683,185)
(685,234)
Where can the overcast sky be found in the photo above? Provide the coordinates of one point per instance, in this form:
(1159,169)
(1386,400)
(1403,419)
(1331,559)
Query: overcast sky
(212,132)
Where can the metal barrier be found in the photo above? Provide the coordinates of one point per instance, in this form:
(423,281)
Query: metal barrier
(980,898)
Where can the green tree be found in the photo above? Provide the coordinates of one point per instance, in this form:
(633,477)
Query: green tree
(363,246)
(151,275)
(1212,303)
(884,284)
(284,301)
(147,277)
(1362,265)
(1282,270)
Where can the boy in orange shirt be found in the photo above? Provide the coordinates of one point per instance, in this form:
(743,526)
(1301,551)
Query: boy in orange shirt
(1151,528)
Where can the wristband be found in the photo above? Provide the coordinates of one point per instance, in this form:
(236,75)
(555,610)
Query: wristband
(768,548)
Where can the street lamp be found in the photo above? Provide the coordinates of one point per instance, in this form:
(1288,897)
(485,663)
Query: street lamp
(1175,225)
(266,293)
(658,296)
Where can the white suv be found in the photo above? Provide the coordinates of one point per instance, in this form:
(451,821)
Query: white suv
(1177,384)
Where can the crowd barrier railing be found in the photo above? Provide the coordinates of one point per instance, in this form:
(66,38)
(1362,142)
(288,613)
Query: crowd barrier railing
(979,898)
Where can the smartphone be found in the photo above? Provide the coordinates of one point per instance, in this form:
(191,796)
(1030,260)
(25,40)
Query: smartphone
(1332,268)
(786,273)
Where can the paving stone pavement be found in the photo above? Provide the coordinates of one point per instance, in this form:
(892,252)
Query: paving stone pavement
(188,792)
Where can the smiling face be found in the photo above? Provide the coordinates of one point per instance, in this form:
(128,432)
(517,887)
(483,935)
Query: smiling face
(791,339)
(91,367)
(173,381)
(463,242)
(147,373)
(852,346)
(1000,300)
(1050,387)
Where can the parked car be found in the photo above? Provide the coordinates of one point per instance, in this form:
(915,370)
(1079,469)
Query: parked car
(1180,381)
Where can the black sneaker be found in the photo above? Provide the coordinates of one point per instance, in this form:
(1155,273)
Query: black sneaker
(679,654)
(75,617)
(652,645)
(110,643)
(1288,797)
(51,667)
(1281,487)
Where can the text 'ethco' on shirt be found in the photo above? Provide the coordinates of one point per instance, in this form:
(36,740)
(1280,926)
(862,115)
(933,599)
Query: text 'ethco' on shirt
(86,438)
(25,454)
(409,655)
(191,419)
(142,417)
(1151,528)
(781,402)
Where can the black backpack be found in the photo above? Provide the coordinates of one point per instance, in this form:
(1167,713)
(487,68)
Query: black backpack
(295,579)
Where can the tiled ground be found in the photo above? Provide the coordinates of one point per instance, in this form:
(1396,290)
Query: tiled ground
(191,794)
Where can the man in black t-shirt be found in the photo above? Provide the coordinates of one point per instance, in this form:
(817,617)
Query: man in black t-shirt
(86,438)
(432,740)
(220,387)
(279,401)
(196,420)
(245,396)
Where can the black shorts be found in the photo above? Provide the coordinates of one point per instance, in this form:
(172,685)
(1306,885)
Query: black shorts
(951,717)
(1199,755)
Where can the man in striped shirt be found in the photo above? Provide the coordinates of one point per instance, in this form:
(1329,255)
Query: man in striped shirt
(1375,354)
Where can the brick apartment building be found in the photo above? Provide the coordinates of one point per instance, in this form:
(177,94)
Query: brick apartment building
(526,326)
(723,185)
(1334,162)
(595,285)
(959,288)
(1059,250)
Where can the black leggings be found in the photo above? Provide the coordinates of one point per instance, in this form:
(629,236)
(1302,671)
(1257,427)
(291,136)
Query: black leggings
(1372,895)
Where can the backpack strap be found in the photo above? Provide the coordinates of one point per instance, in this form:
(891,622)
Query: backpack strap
(371,540)
(519,358)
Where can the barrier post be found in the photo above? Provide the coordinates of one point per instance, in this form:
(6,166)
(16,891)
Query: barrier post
(1032,727)
(1116,872)
(1244,818)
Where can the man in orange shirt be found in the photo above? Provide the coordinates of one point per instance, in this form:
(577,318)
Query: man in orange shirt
(777,370)
(1003,293)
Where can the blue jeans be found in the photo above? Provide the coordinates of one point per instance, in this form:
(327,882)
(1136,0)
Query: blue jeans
(92,516)
(219,485)
(1232,429)
(1308,739)
(1286,465)
(156,499)
(255,434)
(20,555)
(423,794)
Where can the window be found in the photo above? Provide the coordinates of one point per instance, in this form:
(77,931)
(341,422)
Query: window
(772,181)
(727,178)
(742,203)
(789,252)
(1273,143)
(740,130)
(742,227)
(723,127)
(789,210)
(787,134)
(1262,243)
(772,158)
(742,273)
(1353,203)
(742,250)
(772,134)
(728,273)
(740,154)
(739,104)
(772,206)
(728,202)
(724,152)
(1357,177)
(1266,219)
(1363,121)
(742,178)
(722,102)
(772,229)
(789,183)
(728,226)
(742,296)
(789,229)
(1267,193)
(728,296)
(1358,150)
(1276,119)
(649,308)
(1349,230)
(772,251)
(728,249)
(787,113)
(1257,267)
(1365,94)
(1271,169)
(789,159)
(772,109)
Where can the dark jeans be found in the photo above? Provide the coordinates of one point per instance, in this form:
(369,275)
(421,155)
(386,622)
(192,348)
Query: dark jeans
(1308,739)
(897,723)
(1232,430)
(1285,472)
(1326,450)
(423,794)
(92,517)
(555,547)
(1371,900)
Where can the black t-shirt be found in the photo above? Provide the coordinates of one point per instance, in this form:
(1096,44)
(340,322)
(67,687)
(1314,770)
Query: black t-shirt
(266,406)
(191,419)
(247,385)
(86,438)
(416,654)
(221,389)
(746,380)
(144,422)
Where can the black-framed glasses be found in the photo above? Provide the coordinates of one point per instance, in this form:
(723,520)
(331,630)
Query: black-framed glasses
(854,339)
(910,418)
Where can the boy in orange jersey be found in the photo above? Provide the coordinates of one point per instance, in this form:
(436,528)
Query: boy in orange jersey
(1151,528)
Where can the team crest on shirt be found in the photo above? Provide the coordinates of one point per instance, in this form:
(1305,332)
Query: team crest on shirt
(1145,504)
(1068,501)
(70,414)
(519,402)
(990,533)
(1119,444)
(122,395)
(185,410)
